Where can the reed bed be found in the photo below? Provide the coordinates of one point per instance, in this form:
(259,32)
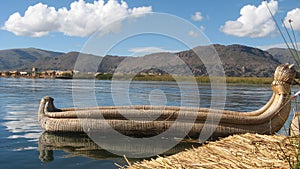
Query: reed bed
(199,79)
(294,126)
(238,151)
(207,79)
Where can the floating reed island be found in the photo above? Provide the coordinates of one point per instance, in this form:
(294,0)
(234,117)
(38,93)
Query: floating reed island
(243,151)
(266,120)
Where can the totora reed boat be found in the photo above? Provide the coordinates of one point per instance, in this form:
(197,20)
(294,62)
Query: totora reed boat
(266,120)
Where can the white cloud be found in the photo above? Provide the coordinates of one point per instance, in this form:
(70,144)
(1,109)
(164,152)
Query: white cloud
(197,16)
(148,50)
(294,16)
(193,34)
(202,28)
(81,19)
(38,20)
(254,21)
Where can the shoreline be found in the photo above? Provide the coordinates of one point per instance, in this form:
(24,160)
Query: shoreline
(199,79)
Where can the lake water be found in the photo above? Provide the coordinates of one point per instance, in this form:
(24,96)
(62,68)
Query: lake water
(23,144)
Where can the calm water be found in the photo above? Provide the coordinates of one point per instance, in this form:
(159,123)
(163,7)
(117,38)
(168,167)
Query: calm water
(23,144)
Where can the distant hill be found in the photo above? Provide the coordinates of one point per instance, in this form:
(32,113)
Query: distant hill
(237,60)
(67,62)
(18,58)
(282,55)
(241,60)
(85,63)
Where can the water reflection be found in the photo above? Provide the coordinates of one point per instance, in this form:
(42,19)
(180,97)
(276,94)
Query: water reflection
(79,144)
(21,123)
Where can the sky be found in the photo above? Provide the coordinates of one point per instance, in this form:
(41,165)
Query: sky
(170,25)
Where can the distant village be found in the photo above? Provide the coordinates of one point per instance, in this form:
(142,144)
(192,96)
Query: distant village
(69,74)
(36,74)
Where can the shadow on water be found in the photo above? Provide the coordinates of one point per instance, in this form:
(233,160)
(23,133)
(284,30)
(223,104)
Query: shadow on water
(80,144)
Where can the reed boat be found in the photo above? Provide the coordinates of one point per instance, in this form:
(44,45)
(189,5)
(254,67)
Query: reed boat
(267,120)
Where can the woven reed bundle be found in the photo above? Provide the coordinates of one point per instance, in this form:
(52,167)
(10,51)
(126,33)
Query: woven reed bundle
(239,151)
(294,126)
(114,112)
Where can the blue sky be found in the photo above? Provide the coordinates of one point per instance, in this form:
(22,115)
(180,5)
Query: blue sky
(67,25)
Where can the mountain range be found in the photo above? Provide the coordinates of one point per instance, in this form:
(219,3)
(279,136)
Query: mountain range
(237,60)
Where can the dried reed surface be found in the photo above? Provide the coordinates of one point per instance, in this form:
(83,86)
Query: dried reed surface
(294,127)
(238,151)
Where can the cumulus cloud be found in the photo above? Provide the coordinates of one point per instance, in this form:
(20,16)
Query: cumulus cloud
(81,19)
(294,16)
(197,16)
(254,21)
(38,20)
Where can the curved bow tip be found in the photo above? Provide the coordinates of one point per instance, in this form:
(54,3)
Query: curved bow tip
(291,66)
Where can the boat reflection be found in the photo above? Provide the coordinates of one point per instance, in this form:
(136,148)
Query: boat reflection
(80,144)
